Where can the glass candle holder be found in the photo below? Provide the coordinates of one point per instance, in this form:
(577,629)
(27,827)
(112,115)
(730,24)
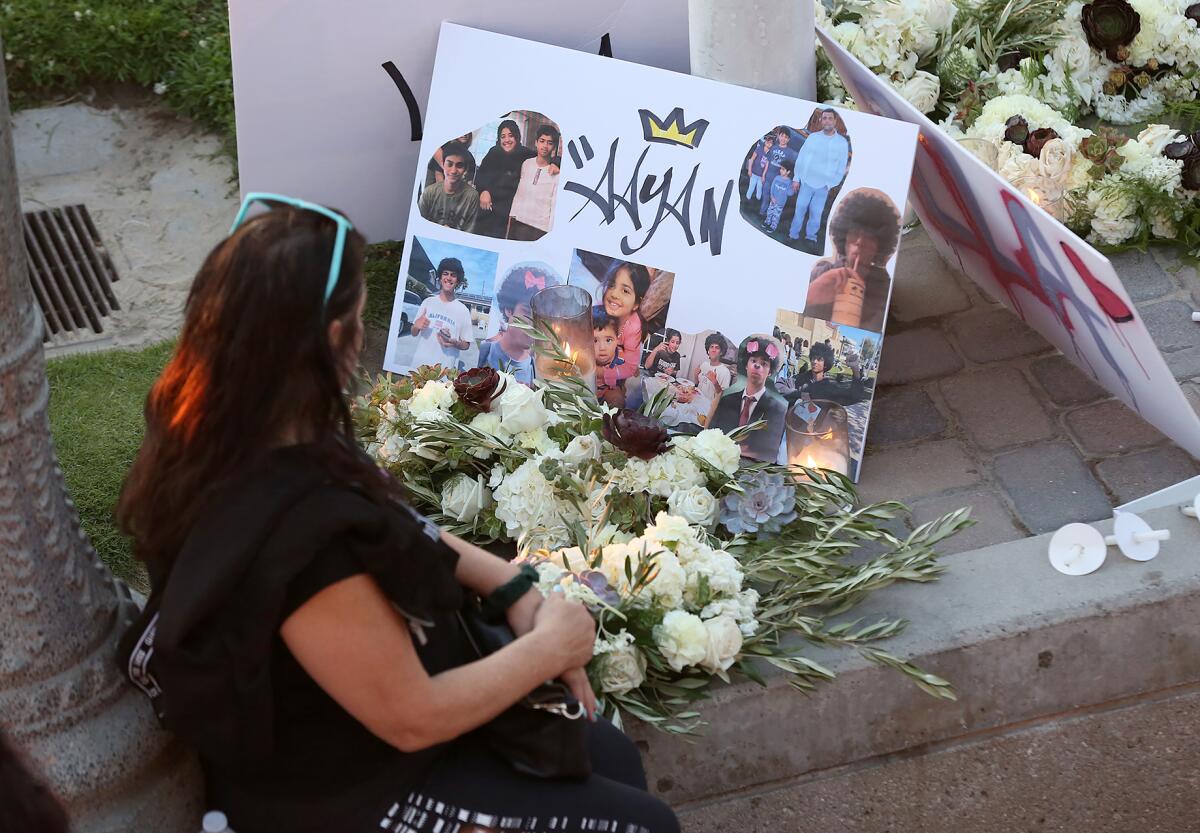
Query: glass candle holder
(818,435)
(566,311)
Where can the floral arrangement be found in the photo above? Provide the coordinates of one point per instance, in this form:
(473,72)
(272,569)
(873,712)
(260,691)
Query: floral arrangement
(695,564)
(1017,81)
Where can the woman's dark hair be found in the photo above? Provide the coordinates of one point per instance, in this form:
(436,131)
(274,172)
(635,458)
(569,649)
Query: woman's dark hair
(253,359)
(511,125)
(522,282)
(26,804)
(873,212)
(823,352)
(744,352)
(639,276)
(717,339)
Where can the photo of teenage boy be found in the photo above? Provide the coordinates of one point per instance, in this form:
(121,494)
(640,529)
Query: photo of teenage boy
(442,326)
(605,348)
(712,377)
(511,349)
(821,165)
(852,287)
(756,166)
(433,170)
(779,154)
(664,358)
(781,191)
(752,398)
(533,203)
(453,202)
(817,382)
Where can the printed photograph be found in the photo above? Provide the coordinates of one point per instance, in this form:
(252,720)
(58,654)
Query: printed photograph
(706,366)
(507,347)
(827,377)
(500,180)
(753,395)
(852,287)
(629,316)
(791,176)
(446,306)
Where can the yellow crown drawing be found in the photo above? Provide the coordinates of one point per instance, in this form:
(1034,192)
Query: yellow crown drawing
(672,130)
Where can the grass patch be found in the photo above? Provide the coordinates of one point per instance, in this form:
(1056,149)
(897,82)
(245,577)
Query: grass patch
(96,419)
(382,266)
(178,48)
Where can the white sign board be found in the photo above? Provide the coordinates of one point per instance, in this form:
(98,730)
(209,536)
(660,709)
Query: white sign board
(1019,254)
(723,234)
(331,97)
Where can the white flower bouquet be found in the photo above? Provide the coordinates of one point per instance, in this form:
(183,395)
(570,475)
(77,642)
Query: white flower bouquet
(695,563)
(1017,81)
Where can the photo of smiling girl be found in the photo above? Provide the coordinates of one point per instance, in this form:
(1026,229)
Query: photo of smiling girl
(636,298)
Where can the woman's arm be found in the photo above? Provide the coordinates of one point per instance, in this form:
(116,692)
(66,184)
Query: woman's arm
(357,647)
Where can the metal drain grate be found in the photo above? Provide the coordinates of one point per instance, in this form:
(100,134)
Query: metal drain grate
(70,269)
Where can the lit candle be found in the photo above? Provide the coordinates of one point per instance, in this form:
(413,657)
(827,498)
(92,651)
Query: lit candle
(567,312)
(818,436)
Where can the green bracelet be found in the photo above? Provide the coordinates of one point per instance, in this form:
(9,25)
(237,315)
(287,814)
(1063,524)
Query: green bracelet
(506,595)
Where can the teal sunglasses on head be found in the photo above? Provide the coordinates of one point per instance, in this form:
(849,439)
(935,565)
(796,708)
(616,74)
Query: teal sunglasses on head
(339,244)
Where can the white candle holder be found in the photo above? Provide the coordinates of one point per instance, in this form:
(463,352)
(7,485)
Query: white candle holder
(1192,511)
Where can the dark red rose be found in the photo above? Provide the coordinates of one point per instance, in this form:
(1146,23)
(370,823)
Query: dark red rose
(1193,13)
(1111,25)
(1016,130)
(1191,173)
(1038,139)
(476,388)
(1009,60)
(636,434)
(1181,150)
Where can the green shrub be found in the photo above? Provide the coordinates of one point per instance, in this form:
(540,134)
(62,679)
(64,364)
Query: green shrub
(178,48)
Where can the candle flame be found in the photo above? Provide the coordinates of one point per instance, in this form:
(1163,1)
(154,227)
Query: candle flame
(1033,195)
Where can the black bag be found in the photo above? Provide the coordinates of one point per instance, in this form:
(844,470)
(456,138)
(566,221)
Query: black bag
(545,733)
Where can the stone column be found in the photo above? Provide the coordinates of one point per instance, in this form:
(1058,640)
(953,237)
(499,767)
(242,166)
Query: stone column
(765,44)
(62,697)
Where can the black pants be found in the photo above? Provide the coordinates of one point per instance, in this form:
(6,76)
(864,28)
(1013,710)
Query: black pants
(470,785)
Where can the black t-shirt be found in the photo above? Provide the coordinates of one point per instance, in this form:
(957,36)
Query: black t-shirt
(667,362)
(277,751)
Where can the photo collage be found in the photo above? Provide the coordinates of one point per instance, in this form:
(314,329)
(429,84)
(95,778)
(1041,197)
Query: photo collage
(784,330)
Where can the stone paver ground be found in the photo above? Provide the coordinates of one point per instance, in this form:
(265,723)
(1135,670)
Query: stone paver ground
(975,409)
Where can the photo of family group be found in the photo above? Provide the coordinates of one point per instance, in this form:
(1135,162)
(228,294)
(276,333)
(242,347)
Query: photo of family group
(500,180)
(853,286)
(446,306)
(629,313)
(791,176)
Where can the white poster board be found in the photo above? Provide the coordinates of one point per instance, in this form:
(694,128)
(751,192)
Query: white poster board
(320,116)
(1020,255)
(646,187)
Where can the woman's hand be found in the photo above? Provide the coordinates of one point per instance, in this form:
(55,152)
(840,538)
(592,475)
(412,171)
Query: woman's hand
(485,200)
(577,680)
(570,633)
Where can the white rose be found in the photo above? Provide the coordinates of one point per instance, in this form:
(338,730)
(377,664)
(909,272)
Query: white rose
(432,399)
(582,449)
(1157,136)
(940,14)
(668,528)
(521,409)
(1054,164)
(392,448)
(922,90)
(724,643)
(463,498)
(571,558)
(621,670)
(695,505)
(489,423)
(682,639)
(715,448)
(538,441)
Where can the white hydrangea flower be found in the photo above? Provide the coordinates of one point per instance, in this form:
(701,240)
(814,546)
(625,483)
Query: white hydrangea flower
(525,502)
